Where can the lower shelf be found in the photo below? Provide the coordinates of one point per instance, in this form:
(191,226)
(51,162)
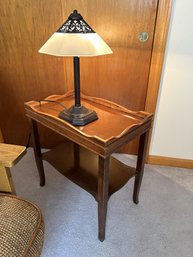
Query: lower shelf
(86,176)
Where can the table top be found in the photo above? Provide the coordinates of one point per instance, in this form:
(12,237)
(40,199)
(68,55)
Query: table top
(114,121)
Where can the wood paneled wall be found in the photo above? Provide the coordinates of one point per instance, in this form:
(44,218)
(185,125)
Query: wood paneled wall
(27,75)
(24,73)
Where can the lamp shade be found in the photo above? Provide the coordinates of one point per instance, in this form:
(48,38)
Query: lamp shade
(75,38)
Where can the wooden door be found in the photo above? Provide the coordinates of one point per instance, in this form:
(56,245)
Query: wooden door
(25,75)
(123,76)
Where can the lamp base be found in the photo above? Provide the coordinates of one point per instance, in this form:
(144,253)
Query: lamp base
(78,115)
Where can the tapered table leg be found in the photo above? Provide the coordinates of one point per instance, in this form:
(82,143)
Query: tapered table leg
(103,189)
(140,165)
(76,149)
(37,152)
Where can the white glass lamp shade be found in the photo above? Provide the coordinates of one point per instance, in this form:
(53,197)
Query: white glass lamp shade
(75,38)
(75,44)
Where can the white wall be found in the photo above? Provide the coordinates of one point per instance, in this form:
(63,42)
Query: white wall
(173,126)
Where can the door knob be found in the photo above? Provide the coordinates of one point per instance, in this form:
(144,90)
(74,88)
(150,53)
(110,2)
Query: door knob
(143,36)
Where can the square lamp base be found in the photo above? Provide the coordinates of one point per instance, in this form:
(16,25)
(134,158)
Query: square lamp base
(78,115)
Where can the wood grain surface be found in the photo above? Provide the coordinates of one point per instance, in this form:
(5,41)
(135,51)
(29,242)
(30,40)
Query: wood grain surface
(114,121)
(10,154)
(1,137)
(27,75)
(86,175)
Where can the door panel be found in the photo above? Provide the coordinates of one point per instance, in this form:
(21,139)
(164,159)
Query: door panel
(123,76)
(25,75)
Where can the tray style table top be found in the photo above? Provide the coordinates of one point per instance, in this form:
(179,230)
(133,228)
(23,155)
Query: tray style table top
(113,122)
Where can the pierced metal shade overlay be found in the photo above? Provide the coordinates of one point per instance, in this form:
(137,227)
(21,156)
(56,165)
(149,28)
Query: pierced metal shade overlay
(75,24)
(75,38)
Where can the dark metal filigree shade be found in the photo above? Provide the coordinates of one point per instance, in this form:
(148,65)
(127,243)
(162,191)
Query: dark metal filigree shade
(75,24)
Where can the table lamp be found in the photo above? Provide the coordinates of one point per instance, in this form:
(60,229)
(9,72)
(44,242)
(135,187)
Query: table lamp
(76,38)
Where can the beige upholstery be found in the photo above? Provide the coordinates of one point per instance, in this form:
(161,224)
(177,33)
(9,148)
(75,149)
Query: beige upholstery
(21,222)
(21,227)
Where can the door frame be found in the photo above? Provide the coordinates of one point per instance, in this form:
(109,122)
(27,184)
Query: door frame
(157,58)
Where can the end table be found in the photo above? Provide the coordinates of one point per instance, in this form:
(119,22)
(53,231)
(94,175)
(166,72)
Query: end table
(88,161)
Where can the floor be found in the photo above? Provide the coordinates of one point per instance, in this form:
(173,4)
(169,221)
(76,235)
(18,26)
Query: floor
(161,225)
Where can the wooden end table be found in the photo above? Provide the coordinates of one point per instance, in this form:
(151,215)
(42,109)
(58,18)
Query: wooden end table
(88,160)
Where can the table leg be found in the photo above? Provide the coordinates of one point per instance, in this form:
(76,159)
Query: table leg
(140,165)
(76,156)
(103,189)
(37,152)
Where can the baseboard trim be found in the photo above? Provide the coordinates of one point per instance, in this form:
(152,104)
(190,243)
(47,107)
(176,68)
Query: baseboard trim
(169,161)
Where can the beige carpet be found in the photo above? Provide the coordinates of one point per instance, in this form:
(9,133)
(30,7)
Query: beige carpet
(161,225)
